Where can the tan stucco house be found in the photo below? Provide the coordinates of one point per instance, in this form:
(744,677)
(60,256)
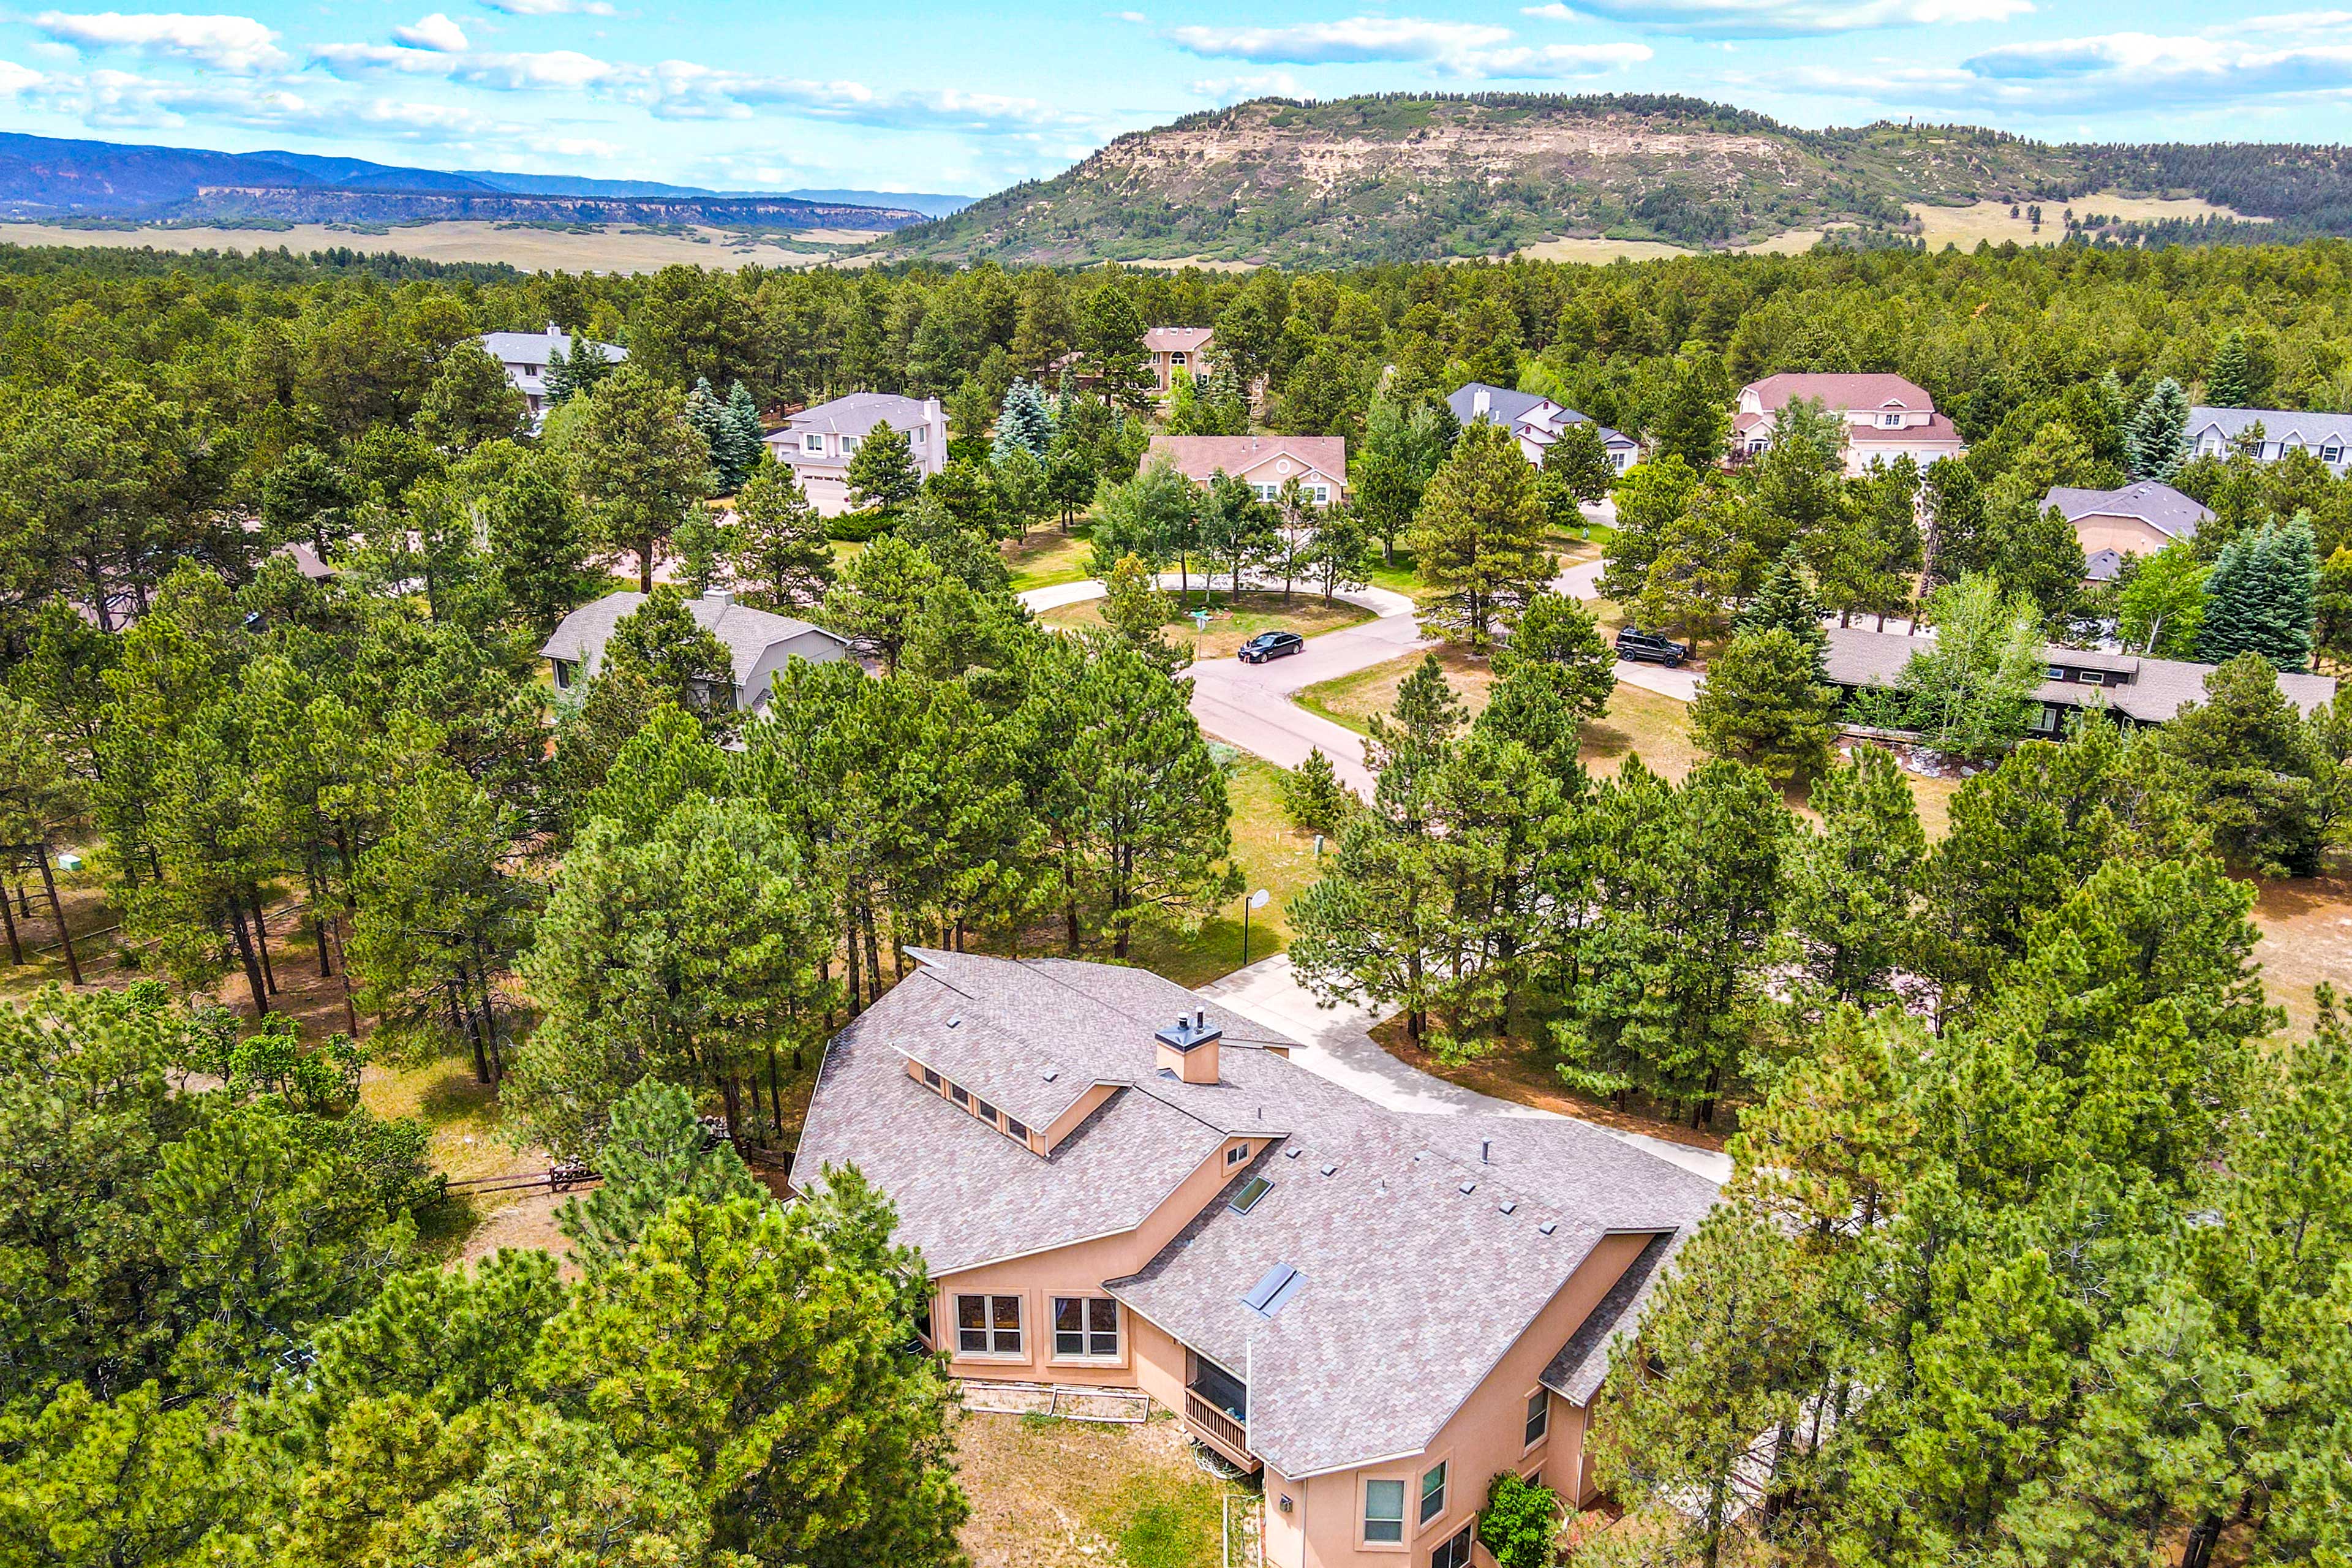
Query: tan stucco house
(1115,1184)
(1173,349)
(1886,417)
(820,441)
(1320,463)
(2138,520)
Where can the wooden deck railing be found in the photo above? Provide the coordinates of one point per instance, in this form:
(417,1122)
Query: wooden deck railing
(1222,1429)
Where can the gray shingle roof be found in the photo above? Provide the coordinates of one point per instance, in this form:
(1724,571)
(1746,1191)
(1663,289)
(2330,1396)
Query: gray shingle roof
(747,633)
(1412,1288)
(2153,692)
(1575,1375)
(531,348)
(2151,502)
(1506,406)
(858,414)
(2283,425)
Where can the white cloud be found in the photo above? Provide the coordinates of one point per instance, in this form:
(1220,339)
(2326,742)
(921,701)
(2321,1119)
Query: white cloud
(1356,40)
(2103,73)
(15,78)
(434,32)
(235,44)
(1226,89)
(1451,48)
(1784,18)
(552,7)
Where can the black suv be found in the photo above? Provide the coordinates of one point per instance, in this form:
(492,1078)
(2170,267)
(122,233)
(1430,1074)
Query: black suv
(1270,644)
(1636,643)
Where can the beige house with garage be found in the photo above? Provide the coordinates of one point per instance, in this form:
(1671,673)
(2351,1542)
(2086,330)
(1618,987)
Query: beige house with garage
(820,441)
(1265,463)
(1116,1185)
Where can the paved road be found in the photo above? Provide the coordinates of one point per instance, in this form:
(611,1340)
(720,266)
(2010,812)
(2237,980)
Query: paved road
(1335,1045)
(1250,706)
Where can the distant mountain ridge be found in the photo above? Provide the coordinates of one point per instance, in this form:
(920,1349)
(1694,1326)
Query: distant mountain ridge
(1410,177)
(43,176)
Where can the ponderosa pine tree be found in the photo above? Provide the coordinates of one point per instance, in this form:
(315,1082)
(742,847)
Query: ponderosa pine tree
(661,646)
(1313,796)
(1853,882)
(1762,705)
(875,603)
(2247,767)
(1558,674)
(653,1151)
(1695,420)
(1786,601)
(882,474)
(1137,612)
(782,558)
(1110,336)
(1478,539)
(635,464)
(1579,463)
(536,546)
(1957,542)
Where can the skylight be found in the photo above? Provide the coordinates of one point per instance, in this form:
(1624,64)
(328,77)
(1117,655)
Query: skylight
(1274,1289)
(1252,1189)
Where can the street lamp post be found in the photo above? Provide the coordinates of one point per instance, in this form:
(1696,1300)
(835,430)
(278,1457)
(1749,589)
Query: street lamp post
(1256,901)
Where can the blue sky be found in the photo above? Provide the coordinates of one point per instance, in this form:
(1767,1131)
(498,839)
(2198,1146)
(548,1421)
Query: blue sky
(943,96)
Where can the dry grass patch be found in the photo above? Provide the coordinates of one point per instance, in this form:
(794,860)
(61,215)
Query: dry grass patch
(1049,1493)
(1231,625)
(532,249)
(1990,221)
(2306,938)
(1352,699)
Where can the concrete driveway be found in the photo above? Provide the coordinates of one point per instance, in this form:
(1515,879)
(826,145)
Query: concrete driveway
(1336,1044)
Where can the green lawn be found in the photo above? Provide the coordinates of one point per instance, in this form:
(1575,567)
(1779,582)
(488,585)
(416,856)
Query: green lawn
(1272,855)
(1048,557)
(1231,625)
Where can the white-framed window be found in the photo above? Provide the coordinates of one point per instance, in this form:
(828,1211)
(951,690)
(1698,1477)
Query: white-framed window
(814,444)
(931,1078)
(849,444)
(1455,1553)
(1268,492)
(984,1111)
(961,1095)
(2091,676)
(988,1325)
(1539,1418)
(1432,1492)
(1086,1326)
(1384,1511)
(1891,421)
(2046,721)
(1237,1153)
(919,435)
(2331,454)
(1322,495)
(1177,357)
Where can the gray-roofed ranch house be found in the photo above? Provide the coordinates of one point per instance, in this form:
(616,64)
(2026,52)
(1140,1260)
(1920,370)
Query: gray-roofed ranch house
(759,643)
(2137,690)
(1116,1185)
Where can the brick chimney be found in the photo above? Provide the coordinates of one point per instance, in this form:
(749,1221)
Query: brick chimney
(1188,1048)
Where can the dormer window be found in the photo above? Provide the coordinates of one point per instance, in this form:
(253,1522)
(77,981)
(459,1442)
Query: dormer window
(1237,1153)
(1891,421)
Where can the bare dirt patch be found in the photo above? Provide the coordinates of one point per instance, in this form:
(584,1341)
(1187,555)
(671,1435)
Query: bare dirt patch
(2306,938)
(1520,1071)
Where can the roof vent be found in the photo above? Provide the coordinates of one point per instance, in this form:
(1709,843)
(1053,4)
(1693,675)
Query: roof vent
(1274,1290)
(1052,1073)
(954,1021)
(1330,1170)
(1548,1227)
(1507,1206)
(1469,1187)
(1291,1153)
(1485,1151)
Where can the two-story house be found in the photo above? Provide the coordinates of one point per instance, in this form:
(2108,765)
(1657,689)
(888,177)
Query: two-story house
(2216,432)
(1886,417)
(1265,463)
(1173,349)
(2140,519)
(525,357)
(1116,1185)
(757,643)
(1537,421)
(820,441)
(2133,690)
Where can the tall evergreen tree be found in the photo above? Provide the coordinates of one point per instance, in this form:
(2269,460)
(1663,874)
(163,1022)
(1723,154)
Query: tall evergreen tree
(636,463)
(1024,423)
(2157,437)
(882,473)
(1762,705)
(653,1152)
(1694,420)
(1111,336)
(780,554)
(2229,379)
(1853,883)
(1786,601)
(1478,538)
(2260,597)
